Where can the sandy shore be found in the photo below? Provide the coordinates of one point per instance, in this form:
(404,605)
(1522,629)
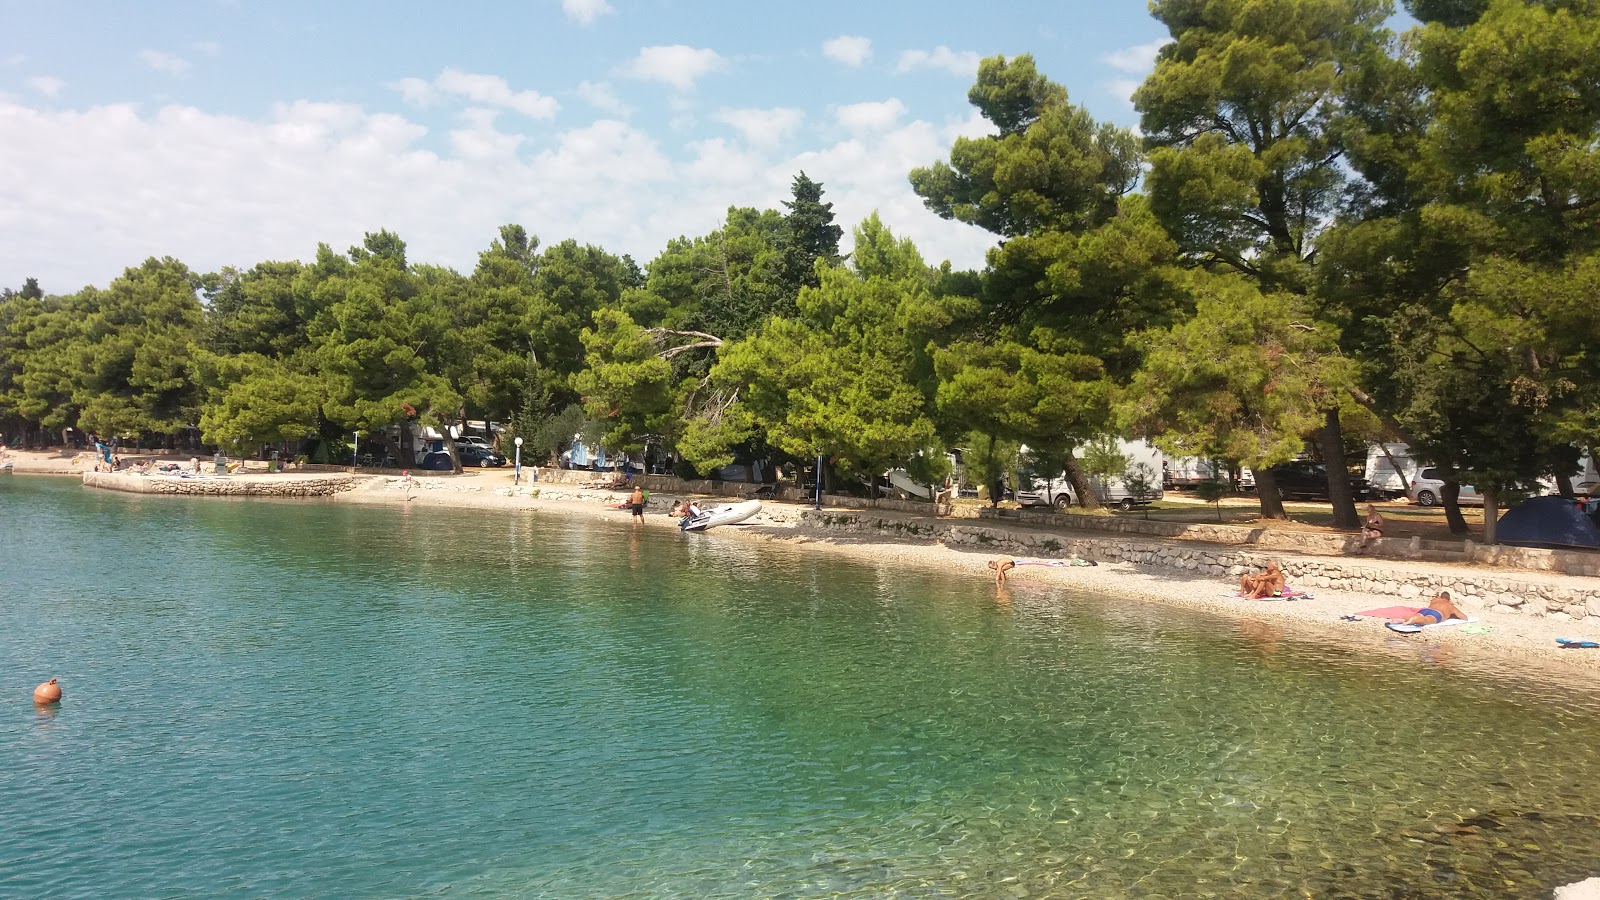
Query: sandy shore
(1517,645)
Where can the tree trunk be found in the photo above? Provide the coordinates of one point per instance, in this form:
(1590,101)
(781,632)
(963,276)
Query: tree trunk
(1564,486)
(1331,440)
(1452,505)
(1267,492)
(1491,515)
(1088,498)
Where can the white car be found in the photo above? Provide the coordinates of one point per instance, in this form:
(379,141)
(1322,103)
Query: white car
(1427,489)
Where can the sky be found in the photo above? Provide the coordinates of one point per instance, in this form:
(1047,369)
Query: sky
(226,133)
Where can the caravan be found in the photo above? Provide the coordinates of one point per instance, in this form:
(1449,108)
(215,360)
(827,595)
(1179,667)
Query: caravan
(1059,492)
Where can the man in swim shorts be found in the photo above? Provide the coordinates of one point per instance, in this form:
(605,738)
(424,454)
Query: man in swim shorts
(1439,609)
(1265,584)
(1001,566)
(636,503)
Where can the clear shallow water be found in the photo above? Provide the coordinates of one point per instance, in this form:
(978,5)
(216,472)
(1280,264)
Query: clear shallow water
(308,698)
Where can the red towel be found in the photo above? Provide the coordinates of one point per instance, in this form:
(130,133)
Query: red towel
(1390,612)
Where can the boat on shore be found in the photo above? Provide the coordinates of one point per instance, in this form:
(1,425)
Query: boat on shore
(731,514)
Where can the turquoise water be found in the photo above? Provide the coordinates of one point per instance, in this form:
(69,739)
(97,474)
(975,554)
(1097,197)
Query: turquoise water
(320,699)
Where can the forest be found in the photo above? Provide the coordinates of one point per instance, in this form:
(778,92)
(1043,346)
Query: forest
(1324,232)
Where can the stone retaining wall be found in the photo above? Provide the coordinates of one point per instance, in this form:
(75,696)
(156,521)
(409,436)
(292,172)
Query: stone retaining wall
(222,486)
(1569,562)
(1476,590)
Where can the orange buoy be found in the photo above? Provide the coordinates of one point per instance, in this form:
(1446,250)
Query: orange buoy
(49,692)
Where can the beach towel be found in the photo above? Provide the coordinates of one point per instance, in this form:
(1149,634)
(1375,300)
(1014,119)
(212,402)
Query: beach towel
(1413,629)
(1577,644)
(1390,612)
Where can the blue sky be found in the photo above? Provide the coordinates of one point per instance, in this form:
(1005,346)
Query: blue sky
(226,133)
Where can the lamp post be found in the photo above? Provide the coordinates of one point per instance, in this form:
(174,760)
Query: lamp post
(355,452)
(517,478)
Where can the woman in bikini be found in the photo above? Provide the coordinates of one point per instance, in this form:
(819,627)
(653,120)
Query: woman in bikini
(1371,529)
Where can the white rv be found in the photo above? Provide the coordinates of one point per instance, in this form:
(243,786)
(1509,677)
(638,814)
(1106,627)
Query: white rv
(1391,469)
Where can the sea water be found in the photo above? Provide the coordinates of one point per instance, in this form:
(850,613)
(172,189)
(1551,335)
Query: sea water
(318,699)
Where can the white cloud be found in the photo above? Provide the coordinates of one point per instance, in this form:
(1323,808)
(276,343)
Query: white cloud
(416,91)
(209,48)
(484,90)
(601,96)
(848,49)
(105,189)
(479,141)
(14,60)
(962,62)
(871,116)
(1136,60)
(677,65)
(585,12)
(47,85)
(164,62)
(1123,88)
(762,127)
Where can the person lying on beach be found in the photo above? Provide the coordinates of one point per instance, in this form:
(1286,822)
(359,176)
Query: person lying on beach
(1265,584)
(1001,566)
(1439,609)
(1371,529)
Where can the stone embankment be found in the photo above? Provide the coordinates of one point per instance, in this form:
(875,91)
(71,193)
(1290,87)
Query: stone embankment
(223,485)
(1557,596)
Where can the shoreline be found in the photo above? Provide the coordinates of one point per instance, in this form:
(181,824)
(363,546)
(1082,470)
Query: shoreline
(1525,641)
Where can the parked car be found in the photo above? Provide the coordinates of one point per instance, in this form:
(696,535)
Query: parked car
(482,457)
(1427,489)
(1061,494)
(439,460)
(473,440)
(1309,481)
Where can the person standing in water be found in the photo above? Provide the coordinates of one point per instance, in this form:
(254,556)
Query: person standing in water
(636,504)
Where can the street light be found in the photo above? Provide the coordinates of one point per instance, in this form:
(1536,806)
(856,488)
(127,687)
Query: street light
(517,479)
(355,452)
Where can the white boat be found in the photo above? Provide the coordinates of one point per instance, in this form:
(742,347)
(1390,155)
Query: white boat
(732,514)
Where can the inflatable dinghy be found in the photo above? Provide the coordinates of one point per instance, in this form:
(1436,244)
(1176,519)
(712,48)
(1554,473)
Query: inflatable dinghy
(731,514)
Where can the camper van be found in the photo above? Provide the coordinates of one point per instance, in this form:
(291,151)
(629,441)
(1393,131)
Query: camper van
(1113,492)
(1390,469)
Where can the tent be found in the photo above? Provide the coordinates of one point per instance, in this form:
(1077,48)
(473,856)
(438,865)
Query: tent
(1549,522)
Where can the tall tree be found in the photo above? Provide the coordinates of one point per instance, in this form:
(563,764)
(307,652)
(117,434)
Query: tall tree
(1080,262)
(133,366)
(1244,159)
(809,235)
(1243,380)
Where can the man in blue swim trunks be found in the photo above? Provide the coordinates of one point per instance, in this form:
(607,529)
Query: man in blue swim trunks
(1439,609)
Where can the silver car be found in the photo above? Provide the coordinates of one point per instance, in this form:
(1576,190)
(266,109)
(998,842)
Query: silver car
(1427,489)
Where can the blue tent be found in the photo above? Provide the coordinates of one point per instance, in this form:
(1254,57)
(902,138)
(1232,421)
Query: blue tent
(1549,522)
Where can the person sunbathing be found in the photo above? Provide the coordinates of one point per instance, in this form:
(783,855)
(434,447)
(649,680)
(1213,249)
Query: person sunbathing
(1439,609)
(1371,529)
(1265,584)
